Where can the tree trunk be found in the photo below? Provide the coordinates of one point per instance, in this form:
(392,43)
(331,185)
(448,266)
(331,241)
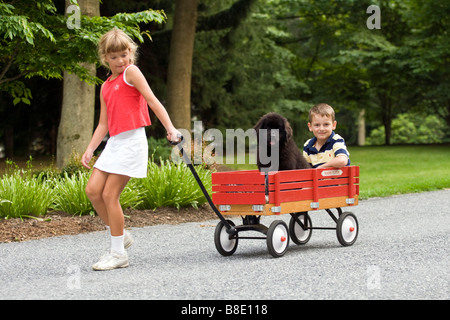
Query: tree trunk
(362,128)
(78,105)
(180,63)
(386,114)
(387,123)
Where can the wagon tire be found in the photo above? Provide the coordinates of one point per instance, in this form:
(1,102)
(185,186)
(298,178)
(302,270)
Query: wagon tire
(347,229)
(224,245)
(298,235)
(277,238)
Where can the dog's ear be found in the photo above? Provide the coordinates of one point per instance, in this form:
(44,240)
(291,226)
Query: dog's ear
(261,122)
(288,129)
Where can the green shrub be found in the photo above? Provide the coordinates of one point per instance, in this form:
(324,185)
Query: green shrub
(23,194)
(409,128)
(159,149)
(71,195)
(172,185)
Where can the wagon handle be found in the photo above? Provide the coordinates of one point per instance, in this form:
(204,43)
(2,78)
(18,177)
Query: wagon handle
(229,228)
(174,143)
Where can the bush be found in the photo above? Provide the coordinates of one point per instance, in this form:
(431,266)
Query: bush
(172,185)
(159,149)
(409,128)
(23,194)
(71,195)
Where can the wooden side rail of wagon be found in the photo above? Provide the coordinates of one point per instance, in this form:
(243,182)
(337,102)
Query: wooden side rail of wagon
(252,194)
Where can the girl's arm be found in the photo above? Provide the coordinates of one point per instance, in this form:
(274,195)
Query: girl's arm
(135,77)
(99,134)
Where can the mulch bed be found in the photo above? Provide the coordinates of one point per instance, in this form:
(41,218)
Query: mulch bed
(61,223)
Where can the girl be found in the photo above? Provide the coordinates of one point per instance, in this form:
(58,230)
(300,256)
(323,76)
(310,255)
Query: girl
(123,101)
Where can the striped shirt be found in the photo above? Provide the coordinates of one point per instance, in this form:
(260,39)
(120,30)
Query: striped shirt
(334,146)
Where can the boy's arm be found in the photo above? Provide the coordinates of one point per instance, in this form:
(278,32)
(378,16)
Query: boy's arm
(338,162)
(341,154)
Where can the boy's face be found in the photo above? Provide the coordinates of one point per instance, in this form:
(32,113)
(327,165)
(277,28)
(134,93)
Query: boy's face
(118,61)
(321,126)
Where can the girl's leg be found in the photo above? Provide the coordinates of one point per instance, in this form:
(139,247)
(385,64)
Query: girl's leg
(94,191)
(113,187)
(117,257)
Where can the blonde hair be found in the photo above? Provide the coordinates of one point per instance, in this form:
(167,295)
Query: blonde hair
(323,110)
(115,40)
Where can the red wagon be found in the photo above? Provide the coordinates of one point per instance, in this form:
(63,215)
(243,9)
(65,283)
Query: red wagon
(251,194)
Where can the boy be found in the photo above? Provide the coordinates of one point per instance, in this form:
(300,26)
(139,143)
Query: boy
(327,149)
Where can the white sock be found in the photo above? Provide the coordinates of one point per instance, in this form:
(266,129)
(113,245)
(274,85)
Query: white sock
(117,244)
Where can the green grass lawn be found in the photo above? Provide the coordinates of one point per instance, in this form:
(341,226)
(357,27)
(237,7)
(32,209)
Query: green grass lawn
(393,170)
(386,171)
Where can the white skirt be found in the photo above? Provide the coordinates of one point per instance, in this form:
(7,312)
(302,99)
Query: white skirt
(126,154)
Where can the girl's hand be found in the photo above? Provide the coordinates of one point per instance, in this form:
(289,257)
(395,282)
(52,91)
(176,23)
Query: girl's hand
(174,135)
(87,156)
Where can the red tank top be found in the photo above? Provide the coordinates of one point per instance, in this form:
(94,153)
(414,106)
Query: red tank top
(126,107)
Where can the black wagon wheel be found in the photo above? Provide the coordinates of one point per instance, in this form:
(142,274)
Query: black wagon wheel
(277,238)
(347,229)
(224,245)
(298,234)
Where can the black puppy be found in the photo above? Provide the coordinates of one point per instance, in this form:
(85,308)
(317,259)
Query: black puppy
(277,132)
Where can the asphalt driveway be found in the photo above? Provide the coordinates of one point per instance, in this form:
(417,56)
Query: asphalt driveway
(402,252)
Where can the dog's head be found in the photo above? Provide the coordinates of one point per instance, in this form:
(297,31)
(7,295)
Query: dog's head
(273,123)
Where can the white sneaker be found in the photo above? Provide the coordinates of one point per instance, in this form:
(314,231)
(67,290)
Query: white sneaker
(111,261)
(128,239)
(127,242)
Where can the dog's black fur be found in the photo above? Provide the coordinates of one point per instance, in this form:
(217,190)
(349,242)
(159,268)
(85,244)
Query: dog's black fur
(290,157)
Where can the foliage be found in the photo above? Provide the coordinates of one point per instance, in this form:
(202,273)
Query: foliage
(159,149)
(253,76)
(24,195)
(36,41)
(409,128)
(172,185)
(27,193)
(287,55)
(251,57)
(429,54)
(70,195)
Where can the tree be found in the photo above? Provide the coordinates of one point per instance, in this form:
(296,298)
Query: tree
(349,65)
(78,103)
(180,63)
(35,41)
(429,54)
(241,72)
